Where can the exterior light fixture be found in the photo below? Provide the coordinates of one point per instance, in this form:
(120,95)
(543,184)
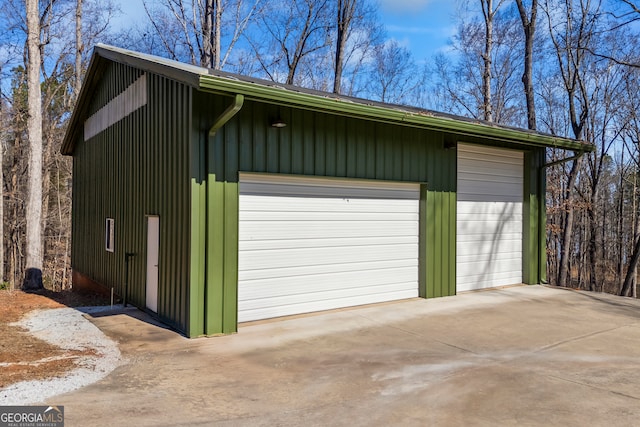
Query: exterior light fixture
(278,123)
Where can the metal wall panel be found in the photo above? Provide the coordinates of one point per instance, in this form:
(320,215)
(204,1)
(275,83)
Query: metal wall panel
(138,166)
(314,144)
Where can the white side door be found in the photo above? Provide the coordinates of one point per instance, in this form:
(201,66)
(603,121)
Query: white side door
(153,245)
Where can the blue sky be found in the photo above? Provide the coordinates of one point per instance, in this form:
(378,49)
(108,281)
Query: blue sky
(423,26)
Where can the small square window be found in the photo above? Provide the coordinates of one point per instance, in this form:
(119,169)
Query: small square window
(109,235)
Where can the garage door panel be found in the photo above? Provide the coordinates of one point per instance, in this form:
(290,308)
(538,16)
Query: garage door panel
(301,204)
(277,258)
(503,247)
(498,171)
(372,267)
(282,286)
(497,266)
(477,192)
(265,230)
(488,154)
(489,217)
(317,305)
(253,245)
(321,295)
(475,208)
(318,189)
(492,230)
(317,244)
(469,238)
(488,280)
(324,216)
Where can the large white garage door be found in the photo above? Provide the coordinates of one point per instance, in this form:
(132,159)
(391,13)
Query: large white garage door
(489,217)
(310,244)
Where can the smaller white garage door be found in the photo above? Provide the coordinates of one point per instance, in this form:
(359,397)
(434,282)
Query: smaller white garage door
(310,244)
(489,217)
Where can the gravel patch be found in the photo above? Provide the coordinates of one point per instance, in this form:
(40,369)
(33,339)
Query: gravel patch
(69,329)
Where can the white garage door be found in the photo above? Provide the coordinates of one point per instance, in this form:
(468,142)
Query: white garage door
(489,217)
(310,244)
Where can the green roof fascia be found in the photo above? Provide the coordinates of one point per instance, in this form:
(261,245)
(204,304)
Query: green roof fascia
(346,107)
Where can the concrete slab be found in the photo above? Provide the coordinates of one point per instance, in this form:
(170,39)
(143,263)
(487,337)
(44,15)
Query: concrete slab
(525,356)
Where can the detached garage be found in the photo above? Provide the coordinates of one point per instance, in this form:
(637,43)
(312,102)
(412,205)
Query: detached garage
(211,199)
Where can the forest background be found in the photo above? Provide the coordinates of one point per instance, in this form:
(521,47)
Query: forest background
(569,68)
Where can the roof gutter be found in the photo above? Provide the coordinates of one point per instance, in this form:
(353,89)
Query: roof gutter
(565,160)
(227,115)
(346,107)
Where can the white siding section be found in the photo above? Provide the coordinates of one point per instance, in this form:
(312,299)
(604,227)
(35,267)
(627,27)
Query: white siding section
(489,217)
(133,97)
(310,244)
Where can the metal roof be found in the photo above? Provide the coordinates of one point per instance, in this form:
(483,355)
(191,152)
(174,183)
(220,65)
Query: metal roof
(224,83)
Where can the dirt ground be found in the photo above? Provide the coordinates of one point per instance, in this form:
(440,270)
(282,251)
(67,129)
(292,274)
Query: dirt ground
(24,357)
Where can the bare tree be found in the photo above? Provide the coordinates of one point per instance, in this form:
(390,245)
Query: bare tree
(394,75)
(295,31)
(202,32)
(346,10)
(3,126)
(571,27)
(528,18)
(79,49)
(489,10)
(460,86)
(34,251)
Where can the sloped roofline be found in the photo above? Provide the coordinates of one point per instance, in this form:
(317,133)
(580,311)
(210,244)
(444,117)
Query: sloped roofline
(229,84)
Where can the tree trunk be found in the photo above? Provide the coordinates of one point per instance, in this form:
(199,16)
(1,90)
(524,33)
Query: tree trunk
(486,59)
(593,258)
(79,48)
(217,28)
(2,242)
(567,232)
(346,9)
(33,208)
(529,27)
(206,60)
(628,279)
(634,279)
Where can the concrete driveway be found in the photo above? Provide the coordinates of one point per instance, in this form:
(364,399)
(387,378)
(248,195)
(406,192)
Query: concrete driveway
(518,356)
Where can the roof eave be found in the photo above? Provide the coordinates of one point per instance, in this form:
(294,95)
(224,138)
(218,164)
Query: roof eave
(422,119)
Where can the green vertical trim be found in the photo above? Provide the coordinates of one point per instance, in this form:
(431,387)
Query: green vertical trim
(215,256)
(222,257)
(197,261)
(453,223)
(534,219)
(542,217)
(422,243)
(430,244)
(529,220)
(230,267)
(440,245)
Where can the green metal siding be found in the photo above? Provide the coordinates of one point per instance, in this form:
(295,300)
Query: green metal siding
(137,167)
(534,221)
(315,144)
